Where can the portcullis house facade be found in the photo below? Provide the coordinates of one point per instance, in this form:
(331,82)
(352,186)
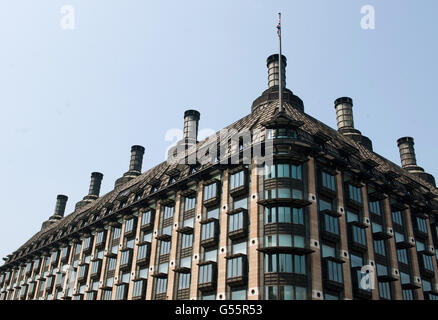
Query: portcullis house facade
(328,218)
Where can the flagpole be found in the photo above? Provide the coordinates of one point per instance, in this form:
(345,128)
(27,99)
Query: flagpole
(280,85)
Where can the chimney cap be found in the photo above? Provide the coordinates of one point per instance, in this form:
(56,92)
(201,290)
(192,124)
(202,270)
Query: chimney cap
(405,140)
(274,57)
(96,175)
(343,100)
(192,112)
(137,148)
(61,197)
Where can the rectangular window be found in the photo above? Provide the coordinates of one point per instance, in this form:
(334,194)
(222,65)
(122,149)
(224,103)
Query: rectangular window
(237,180)
(334,271)
(354,193)
(235,267)
(238,295)
(385,290)
(142,252)
(208,231)
(374,207)
(359,235)
(210,255)
(205,273)
(235,222)
(129,225)
(331,224)
(116,232)
(328,181)
(379,247)
(186,240)
(161,285)
(213,213)
(146,218)
(165,247)
(186,262)
(397,218)
(210,191)
(168,212)
(421,225)
(112,264)
(189,204)
(402,256)
(184,281)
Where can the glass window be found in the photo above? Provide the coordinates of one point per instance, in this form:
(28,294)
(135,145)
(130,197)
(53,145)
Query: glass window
(352,217)
(399,237)
(331,224)
(374,207)
(397,218)
(241,203)
(165,247)
(210,191)
(402,256)
(213,213)
(186,240)
(421,224)
(163,268)
(208,231)
(189,222)
(328,181)
(376,227)
(239,248)
(237,180)
(235,267)
(325,205)
(161,285)
(210,255)
(146,218)
(168,212)
(189,204)
(379,247)
(184,281)
(205,273)
(384,290)
(238,295)
(328,251)
(355,193)
(186,262)
(235,222)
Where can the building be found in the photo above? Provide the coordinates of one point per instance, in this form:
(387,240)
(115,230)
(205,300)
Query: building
(328,219)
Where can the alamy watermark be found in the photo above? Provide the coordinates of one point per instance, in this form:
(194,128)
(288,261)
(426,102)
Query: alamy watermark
(368,21)
(68,19)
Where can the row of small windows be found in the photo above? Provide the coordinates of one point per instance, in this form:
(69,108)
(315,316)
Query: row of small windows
(284,215)
(283,171)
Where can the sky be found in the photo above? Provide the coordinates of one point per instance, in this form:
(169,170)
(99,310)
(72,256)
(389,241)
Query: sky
(74,100)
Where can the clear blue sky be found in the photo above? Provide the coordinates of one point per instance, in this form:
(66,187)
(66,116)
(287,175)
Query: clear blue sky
(74,101)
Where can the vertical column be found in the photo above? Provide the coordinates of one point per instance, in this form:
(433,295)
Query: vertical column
(150,283)
(369,237)
(196,243)
(430,243)
(134,254)
(223,237)
(253,255)
(81,255)
(346,267)
(93,253)
(392,250)
(174,247)
(413,252)
(119,256)
(315,257)
(104,262)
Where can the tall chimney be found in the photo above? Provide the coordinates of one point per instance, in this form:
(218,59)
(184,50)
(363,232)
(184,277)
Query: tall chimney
(61,202)
(135,164)
(409,161)
(344,113)
(191,124)
(95,183)
(273,70)
(344,119)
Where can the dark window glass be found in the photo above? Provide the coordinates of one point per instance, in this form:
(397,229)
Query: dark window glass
(328,181)
(237,180)
(355,193)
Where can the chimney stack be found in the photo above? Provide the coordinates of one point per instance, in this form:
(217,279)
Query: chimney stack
(135,165)
(95,183)
(136,162)
(345,121)
(271,95)
(344,114)
(191,125)
(409,161)
(61,202)
(93,193)
(273,70)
